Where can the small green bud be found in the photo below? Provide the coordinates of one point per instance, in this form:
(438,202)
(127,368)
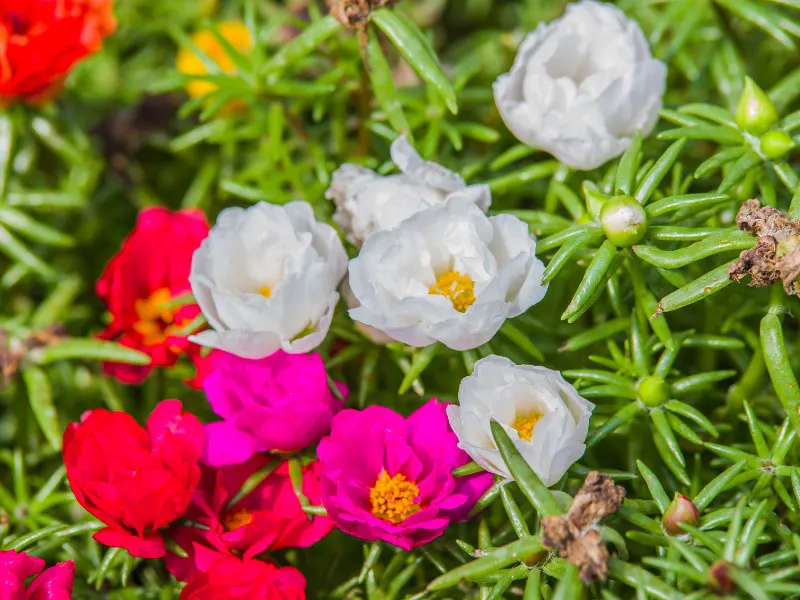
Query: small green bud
(776,144)
(755,113)
(623,220)
(595,199)
(653,391)
(680,510)
(719,578)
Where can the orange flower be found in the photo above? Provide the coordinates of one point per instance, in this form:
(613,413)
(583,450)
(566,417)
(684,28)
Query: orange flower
(41,40)
(188,63)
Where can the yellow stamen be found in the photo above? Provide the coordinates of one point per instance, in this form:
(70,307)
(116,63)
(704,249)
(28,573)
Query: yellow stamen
(265,291)
(156,320)
(237,519)
(525,424)
(393,498)
(458,288)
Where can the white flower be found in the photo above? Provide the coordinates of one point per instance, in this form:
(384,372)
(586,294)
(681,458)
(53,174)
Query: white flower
(265,279)
(543,414)
(367,202)
(448,274)
(582,86)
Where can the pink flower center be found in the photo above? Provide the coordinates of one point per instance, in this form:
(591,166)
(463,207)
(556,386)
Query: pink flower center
(237,519)
(156,320)
(393,498)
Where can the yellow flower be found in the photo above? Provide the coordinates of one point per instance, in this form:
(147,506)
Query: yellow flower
(187,62)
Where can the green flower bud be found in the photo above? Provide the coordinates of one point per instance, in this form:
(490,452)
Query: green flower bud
(680,510)
(623,220)
(755,113)
(776,144)
(719,578)
(653,391)
(595,199)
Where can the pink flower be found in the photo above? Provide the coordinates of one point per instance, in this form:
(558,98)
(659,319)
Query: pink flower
(389,478)
(280,403)
(268,518)
(54,583)
(229,578)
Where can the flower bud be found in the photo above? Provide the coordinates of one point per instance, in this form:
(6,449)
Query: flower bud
(755,113)
(653,391)
(680,510)
(776,144)
(623,220)
(719,578)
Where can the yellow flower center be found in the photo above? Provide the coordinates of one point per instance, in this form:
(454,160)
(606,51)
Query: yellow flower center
(525,424)
(393,498)
(156,320)
(458,288)
(265,291)
(237,519)
(234,32)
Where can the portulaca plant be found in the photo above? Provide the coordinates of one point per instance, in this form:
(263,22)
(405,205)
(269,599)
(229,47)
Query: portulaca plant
(399,300)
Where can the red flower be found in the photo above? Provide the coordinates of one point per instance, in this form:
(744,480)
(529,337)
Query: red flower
(151,269)
(53,584)
(41,40)
(268,518)
(229,578)
(136,481)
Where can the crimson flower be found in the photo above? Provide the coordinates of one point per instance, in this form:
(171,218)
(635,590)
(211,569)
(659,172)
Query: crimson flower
(54,583)
(135,480)
(229,578)
(150,270)
(268,518)
(41,40)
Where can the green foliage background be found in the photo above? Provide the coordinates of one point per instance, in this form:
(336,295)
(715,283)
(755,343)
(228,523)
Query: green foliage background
(124,136)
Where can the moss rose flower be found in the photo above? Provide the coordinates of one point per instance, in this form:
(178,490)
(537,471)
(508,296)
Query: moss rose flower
(582,86)
(135,480)
(385,477)
(542,413)
(54,583)
(448,274)
(267,518)
(41,40)
(280,403)
(150,270)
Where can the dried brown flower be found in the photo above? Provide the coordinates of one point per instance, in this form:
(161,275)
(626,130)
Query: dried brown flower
(776,255)
(576,536)
(355,13)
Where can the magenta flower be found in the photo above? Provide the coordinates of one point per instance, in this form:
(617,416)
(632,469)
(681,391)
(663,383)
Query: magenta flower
(388,478)
(54,583)
(281,403)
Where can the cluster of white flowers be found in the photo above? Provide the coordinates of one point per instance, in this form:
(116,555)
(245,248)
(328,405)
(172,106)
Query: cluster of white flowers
(432,266)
